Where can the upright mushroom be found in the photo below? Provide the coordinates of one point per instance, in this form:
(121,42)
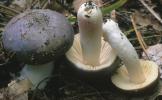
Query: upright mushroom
(78,3)
(37,37)
(90,53)
(135,74)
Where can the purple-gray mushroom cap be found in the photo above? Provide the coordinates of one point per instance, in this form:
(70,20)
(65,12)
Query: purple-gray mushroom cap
(38,36)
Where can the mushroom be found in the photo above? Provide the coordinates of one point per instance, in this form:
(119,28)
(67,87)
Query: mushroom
(78,3)
(135,74)
(37,37)
(90,53)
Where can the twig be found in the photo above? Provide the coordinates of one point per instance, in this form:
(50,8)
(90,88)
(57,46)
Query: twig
(49,1)
(1,29)
(45,5)
(34,3)
(151,11)
(147,37)
(132,30)
(2,24)
(138,48)
(9,9)
(7,13)
(39,4)
(139,37)
(68,8)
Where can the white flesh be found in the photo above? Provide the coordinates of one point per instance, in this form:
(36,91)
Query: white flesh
(90,28)
(124,50)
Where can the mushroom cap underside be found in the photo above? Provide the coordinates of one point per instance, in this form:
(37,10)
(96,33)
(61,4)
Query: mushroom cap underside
(38,36)
(107,56)
(121,79)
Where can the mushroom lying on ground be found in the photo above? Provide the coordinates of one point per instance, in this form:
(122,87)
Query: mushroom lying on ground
(90,53)
(135,74)
(37,37)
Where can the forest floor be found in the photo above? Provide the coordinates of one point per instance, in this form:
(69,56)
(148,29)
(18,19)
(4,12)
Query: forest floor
(65,84)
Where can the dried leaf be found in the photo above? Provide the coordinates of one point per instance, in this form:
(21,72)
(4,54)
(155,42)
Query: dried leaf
(147,19)
(155,54)
(21,5)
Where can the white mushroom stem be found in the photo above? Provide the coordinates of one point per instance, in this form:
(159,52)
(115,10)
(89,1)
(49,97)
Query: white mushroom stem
(32,76)
(37,73)
(124,50)
(90,28)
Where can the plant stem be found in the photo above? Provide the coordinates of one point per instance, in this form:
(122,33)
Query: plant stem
(116,5)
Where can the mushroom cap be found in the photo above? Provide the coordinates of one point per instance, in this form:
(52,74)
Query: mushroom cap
(38,36)
(107,58)
(78,3)
(121,78)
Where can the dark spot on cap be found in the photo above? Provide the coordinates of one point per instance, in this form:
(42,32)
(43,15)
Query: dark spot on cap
(43,28)
(23,35)
(90,4)
(121,35)
(64,36)
(87,16)
(47,42)
(30,24)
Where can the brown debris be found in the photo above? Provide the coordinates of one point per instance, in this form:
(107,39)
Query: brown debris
(147,20)
(155,54)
